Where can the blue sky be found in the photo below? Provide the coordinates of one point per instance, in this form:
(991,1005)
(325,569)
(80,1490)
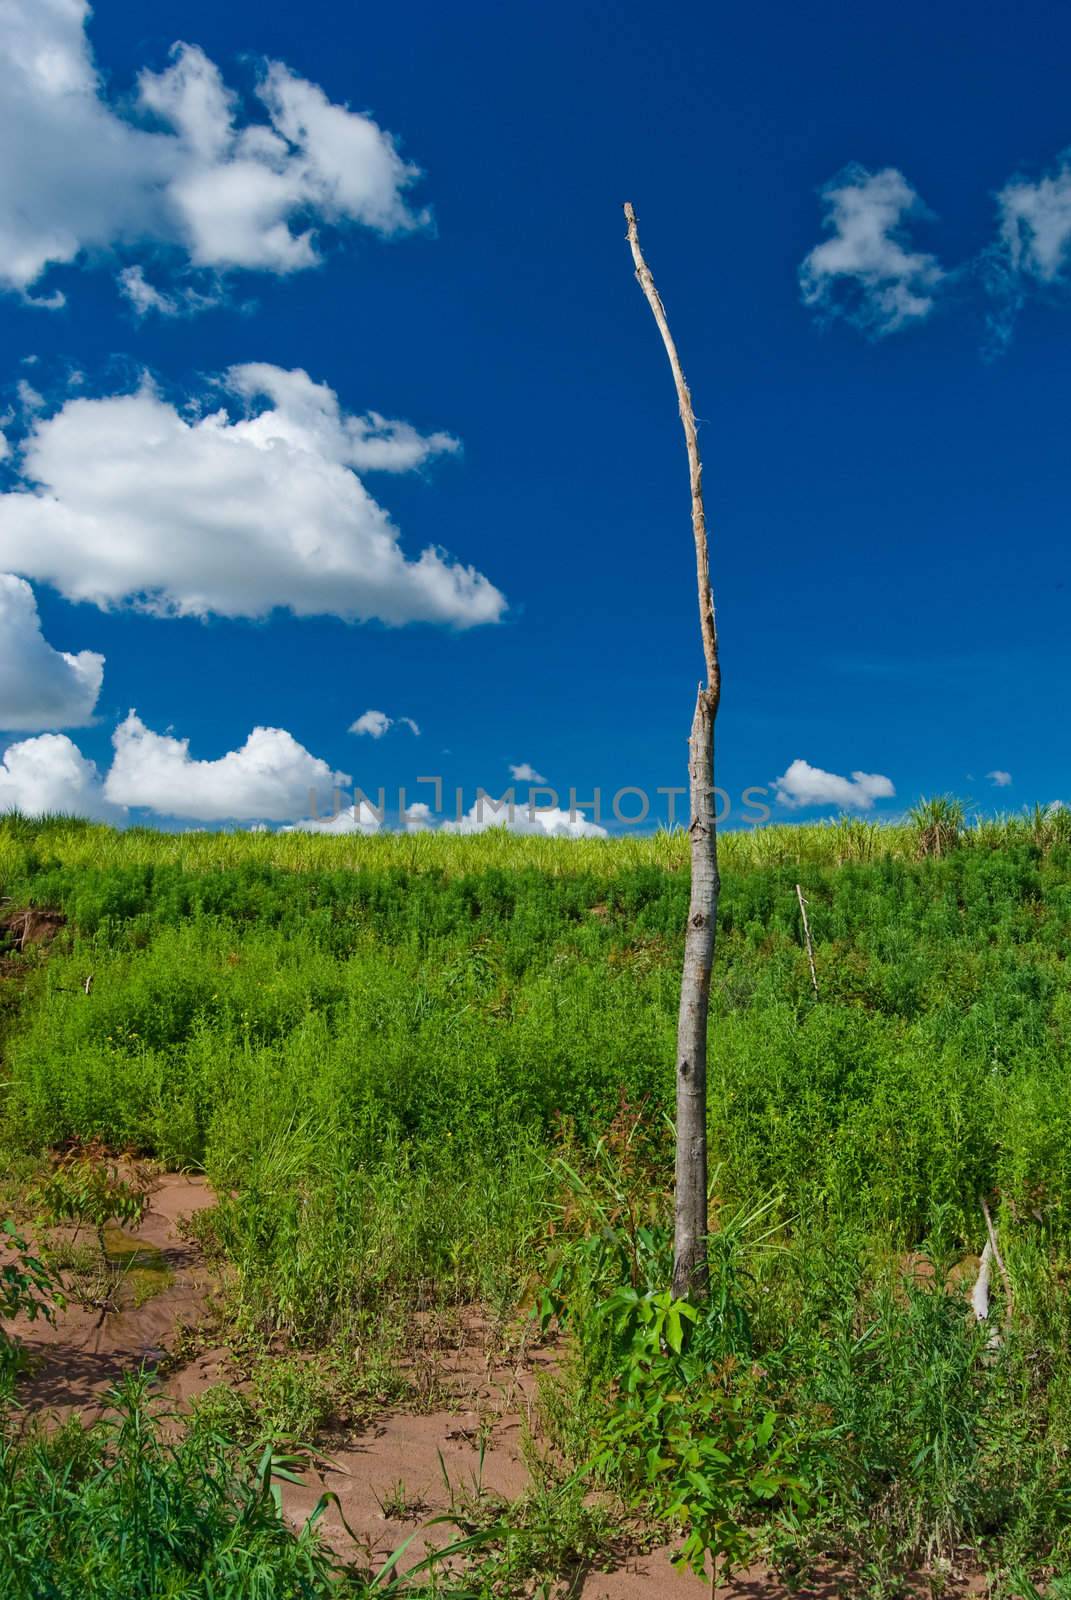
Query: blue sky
(885,465)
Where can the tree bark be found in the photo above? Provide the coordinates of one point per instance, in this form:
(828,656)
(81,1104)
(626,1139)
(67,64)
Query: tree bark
(690,1268)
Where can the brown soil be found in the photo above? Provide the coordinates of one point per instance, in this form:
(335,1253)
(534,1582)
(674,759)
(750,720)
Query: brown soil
(75,1362)
(35,925)
(409,1466)
(462,1452)
(650,1576)
(433,1460)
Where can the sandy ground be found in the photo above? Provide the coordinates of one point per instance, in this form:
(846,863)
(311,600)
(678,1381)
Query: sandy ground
(78,1359)
(407,1467)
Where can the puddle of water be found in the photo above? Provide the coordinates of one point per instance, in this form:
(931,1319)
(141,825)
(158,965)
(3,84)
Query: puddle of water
(143,1268)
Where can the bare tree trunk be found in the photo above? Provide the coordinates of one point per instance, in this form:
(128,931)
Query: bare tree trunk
(807,936)
(690,1270)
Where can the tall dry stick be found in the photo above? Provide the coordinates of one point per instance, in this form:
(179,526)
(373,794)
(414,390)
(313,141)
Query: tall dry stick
(807,936)
(690,1272)
(1009,1302)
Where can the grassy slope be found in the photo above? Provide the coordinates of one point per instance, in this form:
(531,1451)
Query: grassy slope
(379,1043)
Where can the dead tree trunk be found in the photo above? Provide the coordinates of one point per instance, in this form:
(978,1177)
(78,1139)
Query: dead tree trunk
(807,936)
(690,1272)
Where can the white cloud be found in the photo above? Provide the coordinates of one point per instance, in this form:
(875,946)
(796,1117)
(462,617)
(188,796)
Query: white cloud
(29,398)
(306,415)
(1032,251)
(524,772)
(418,817)
(1035,223)
(999,779)
(804,785)
(125,500)
(865,272)
(373,723)
(377,444)
(50,774)
(143,297)
(552,823)
(360,818)
(376,723)
(40,687)
(177,167)
(271,777)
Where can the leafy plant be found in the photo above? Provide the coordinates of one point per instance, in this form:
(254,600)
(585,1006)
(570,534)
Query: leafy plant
(27,1288)
(88,1190)
(938,824)
(399,1504)
(1055,1589)
(695,1446)
(136,1507)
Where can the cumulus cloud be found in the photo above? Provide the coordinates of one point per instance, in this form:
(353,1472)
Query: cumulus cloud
(177,166)
(865,271)
(418,818)
(999,779)
(803,785)
(524,772)
(373,723)
(50,774)
(40,687)
(552,823)
(376,723)
(271,777)
(359,818)
(125,500)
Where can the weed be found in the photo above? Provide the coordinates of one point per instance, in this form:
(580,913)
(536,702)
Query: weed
(399,1504)
(427,1072)
(86,1189)
(28,1288)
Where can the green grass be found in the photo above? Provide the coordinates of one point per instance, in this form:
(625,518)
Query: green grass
(136,1509)
(377,1048)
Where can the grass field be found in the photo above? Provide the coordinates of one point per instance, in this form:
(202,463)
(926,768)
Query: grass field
(438,1071)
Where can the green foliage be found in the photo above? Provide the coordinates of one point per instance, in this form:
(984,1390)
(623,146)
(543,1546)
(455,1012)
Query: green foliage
(426,1071)
(28,1288)
(697,1447)
(938,824)
(133,1513)
(1055,1589)
(89,1190)
(689,1434)
(132,1509)
(85,1188)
